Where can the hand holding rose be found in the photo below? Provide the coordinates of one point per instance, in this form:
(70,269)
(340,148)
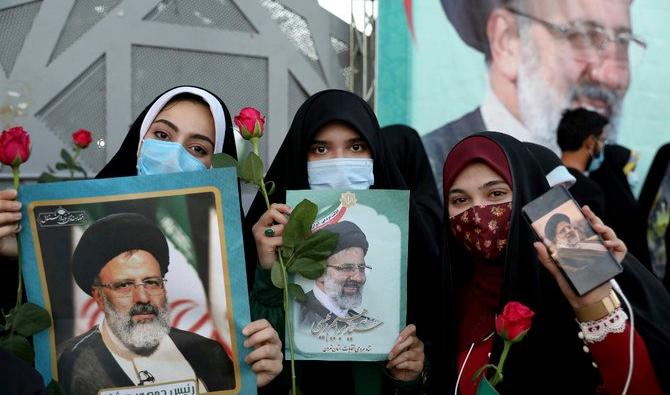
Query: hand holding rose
(14,150)
(14,146)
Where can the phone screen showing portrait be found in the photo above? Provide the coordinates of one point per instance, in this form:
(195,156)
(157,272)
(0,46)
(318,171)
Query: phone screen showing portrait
(578,250)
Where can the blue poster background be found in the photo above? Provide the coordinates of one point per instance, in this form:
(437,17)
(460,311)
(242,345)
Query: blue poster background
(436,78)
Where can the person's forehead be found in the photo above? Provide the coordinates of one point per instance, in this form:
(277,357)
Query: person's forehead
(613,14)
(474,176)
(337,131)
(190,115)
(348,255)
(138,264)
(562,225)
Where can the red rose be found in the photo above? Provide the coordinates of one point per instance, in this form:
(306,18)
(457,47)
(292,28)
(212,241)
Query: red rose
(514,321)
(14,146)
(250,122)
(82,138)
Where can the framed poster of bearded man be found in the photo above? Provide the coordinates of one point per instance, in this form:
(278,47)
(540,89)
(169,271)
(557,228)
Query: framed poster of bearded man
(144,279)
(356,308)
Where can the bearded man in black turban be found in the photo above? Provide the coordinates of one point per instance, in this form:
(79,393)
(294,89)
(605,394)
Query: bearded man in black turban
(331,303)
(121,261)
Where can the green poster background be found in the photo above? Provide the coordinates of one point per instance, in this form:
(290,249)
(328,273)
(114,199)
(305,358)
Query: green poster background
(391,207)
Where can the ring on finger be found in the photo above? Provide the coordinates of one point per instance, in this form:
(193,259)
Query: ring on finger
(269,232)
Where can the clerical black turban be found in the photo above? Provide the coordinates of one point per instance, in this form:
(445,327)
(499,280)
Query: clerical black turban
(111,236)
(552,224)
(469,18)
(349,235)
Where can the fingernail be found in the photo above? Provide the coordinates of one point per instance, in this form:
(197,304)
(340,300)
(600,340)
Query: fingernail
(16,205)
(17,216)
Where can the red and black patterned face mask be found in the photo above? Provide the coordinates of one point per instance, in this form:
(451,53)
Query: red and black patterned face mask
(483,230)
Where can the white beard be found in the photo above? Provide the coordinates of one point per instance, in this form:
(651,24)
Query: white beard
(140,337)
(541,105)
(335,292)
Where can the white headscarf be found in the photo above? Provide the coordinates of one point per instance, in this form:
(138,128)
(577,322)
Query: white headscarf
(214,106)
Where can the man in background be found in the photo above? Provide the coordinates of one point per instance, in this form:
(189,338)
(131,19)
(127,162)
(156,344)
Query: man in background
(581,137)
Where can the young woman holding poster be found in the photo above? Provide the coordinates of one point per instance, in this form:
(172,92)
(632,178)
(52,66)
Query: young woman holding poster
(178,131)
(334,142)
(491,176)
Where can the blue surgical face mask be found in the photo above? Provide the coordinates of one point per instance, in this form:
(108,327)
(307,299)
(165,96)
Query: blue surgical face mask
(340,173)
(160,157)
(596,161)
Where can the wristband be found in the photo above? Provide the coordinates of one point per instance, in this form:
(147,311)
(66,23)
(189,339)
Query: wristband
(598,310)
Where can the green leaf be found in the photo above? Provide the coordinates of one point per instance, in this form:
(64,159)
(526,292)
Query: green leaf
(299,225)
(9,317)
(61,166)
(286,253)
(251,169)
(223,160)
(270,187)
(69,161)
(19,346)
(30,319)
(481,370)
(317,246)
(308,267)
(82,171)
(277,275)
(54,388)
(46,177)
(296,291)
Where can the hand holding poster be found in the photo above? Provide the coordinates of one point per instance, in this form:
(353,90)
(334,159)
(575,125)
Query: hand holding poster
(356,309)
(144,280)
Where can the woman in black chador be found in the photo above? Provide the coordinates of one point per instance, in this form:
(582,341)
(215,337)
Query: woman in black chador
(491,258)
(334,142)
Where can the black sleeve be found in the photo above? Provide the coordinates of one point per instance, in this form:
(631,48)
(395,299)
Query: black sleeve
(19,378)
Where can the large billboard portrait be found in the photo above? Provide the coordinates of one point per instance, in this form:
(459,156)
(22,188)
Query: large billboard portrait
(356,308)
(514,66)
(144,279)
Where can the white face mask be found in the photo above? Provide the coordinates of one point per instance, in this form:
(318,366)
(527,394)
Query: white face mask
(340,173)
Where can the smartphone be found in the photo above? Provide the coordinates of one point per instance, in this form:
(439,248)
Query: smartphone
(578,250)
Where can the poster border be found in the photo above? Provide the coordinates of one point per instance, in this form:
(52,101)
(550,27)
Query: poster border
(113,189)
(398,213)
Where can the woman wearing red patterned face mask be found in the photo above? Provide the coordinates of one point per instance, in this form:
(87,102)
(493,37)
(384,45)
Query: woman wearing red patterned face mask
(491,259)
